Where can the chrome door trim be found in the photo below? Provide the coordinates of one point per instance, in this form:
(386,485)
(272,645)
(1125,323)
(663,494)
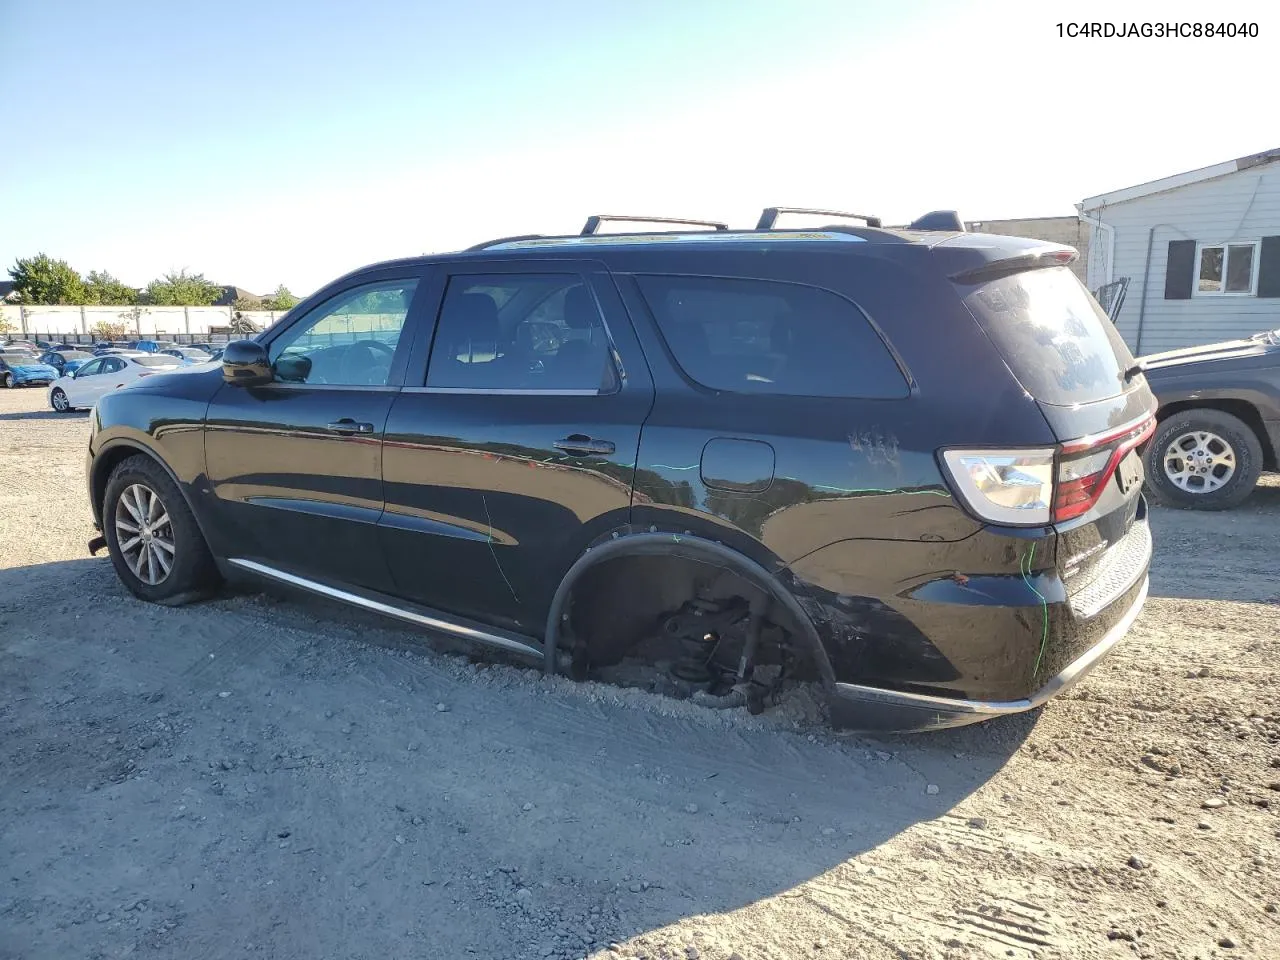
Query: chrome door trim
(455,626)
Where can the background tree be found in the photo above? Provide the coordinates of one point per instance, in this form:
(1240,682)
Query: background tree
(103,289)
(282,299)
(5,326)
(43,280)
(182,289)
(109,330)
(242,304)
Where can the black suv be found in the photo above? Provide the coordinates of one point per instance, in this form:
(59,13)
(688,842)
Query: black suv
(903,463)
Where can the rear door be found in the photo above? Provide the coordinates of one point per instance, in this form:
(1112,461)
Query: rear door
(515,444)
(296,465)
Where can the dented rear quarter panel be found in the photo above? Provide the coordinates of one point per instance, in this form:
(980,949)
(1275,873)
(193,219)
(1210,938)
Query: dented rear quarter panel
(858,519)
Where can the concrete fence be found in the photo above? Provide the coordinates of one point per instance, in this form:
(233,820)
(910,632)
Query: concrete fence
(140,321)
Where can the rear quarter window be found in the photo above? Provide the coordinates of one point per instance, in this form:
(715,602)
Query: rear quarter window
(771,337)
(1053,335)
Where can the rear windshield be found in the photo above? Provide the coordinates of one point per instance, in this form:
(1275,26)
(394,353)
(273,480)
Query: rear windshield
(150,361)
(1053,335)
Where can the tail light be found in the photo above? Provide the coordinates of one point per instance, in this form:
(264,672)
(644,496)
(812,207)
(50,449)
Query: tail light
(1038,486)
(1086,465)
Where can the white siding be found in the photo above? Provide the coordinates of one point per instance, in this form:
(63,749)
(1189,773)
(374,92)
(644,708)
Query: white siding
(1241,206)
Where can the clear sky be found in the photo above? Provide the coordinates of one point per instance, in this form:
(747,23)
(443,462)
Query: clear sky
(269,142)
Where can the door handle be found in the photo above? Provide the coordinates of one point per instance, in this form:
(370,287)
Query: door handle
(346,426)
(580,445)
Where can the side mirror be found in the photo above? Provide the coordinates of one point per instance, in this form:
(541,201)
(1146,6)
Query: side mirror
(245,363)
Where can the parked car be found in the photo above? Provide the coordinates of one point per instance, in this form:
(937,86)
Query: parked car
(26,345)
(66,361)
(20,367)
(187,355)
(100,375)
(151,346)
(1219,421)
(901,463)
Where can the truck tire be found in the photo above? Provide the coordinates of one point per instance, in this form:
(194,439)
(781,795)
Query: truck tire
(1203,459)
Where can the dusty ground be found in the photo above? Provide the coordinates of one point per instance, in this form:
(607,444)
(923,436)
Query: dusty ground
(256,777)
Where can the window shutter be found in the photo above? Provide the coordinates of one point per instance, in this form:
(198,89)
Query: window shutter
(1269,268)
(1179,276)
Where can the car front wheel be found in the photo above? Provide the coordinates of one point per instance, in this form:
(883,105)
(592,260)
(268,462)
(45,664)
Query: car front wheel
(9,381)
(1203,459)
(155,544)
(58,400)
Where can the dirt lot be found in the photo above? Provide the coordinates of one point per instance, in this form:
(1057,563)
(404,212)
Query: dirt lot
(264,777)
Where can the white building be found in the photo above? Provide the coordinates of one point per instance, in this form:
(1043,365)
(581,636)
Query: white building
(1201,251)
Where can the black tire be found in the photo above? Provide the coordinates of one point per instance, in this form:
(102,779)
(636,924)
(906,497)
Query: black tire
(1228,431)
(8,381)
(53,401)
(192,574)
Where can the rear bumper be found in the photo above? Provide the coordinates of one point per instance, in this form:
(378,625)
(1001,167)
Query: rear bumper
(872,708)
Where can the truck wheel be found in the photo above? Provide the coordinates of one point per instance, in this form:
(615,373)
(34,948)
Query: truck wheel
(1203,459)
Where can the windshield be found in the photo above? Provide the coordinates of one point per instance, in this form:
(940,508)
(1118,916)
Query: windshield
(147,360)
(18,357)
(75,355)
(1053,335)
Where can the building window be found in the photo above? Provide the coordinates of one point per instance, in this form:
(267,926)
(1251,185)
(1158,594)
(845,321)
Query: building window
(1227,269)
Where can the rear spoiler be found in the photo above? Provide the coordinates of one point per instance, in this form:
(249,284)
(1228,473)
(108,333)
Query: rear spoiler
(1051,256)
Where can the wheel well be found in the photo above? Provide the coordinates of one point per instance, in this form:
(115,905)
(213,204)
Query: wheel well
(1242,409)
(105,462)
(619,604)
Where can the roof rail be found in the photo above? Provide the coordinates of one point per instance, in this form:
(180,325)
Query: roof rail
(770,216)
(593,222)
(494,243)
(938,220)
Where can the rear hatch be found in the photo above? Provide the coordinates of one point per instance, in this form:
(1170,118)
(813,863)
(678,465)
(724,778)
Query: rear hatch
(1067,355)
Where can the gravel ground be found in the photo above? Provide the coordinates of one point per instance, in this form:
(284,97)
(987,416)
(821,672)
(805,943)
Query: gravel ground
(271,778)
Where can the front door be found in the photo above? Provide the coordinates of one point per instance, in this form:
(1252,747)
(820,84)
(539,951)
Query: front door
(296,465)
(518,447)
(94,379)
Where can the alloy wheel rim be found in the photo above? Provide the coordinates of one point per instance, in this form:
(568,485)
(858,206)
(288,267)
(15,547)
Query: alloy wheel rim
(1199,461)
(144,534)
(59,400)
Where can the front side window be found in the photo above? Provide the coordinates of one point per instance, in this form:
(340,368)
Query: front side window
(527,332)
(349,340)
(112,365)
(770,337)
(1228,268)
(90,368)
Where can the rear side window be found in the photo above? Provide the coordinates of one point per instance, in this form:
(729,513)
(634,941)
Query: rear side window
(523,332)
(1053,335)
(770,337)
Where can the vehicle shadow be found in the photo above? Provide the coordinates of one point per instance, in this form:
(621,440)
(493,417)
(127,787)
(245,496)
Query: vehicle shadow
(46,415)
(1219,555)
(424,799)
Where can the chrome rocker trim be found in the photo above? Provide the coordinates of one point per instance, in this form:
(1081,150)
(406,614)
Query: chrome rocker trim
(445,623)
(917,711)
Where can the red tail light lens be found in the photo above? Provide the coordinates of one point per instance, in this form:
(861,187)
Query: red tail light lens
(1085,466)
